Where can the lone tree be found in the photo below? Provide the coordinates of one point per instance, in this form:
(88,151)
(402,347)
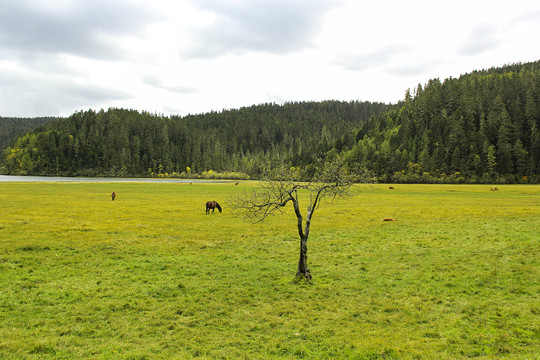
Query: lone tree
(330,179)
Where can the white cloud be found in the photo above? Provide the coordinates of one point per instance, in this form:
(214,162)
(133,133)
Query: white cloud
(268,26)
(60,56)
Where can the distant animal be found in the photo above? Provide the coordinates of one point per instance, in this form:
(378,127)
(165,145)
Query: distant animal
(391,188)
(236,183)
(113,195)
(212,205)
(388,219)
(494,189)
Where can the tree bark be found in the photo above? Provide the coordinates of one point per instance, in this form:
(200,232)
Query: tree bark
(303,270)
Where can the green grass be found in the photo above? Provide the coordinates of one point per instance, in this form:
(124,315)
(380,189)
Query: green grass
(150,276)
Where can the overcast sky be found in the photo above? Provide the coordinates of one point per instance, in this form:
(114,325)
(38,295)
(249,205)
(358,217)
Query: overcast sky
(180,56)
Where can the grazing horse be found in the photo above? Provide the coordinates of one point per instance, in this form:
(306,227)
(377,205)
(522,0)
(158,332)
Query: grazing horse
(212,205)
(391,188)
(494,189)
(113,195)
(389,219)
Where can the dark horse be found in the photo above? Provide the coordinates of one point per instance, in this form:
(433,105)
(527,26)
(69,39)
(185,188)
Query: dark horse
(113,195)
(212,205)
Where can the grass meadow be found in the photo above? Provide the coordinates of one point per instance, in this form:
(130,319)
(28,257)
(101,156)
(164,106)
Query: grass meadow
(150,276)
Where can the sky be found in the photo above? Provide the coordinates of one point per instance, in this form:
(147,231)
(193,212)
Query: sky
(179,57)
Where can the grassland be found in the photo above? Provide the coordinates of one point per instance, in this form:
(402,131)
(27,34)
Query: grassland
(150,276)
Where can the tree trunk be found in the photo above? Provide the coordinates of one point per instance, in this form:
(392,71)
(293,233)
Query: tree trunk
(303,270)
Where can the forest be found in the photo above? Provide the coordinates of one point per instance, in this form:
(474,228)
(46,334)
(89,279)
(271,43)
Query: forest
(12,128)
(483,127)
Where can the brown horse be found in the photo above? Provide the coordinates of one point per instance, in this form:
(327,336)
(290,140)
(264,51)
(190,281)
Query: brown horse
(212,205)
(113,195)
(391,188)
(389,219)
(494,189)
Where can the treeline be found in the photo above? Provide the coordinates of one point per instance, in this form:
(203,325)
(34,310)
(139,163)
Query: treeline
(11,128)
(121,142)
(482,127)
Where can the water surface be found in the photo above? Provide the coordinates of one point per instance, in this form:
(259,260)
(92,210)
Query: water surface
(5,178)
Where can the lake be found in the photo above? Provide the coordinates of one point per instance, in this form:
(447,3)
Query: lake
(6,178)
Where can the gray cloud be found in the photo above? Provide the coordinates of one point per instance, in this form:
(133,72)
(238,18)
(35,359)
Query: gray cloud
(272,26)
(80,28)
(48,95)
(154,81)
(528,17)
(409,70)
(363,62)
(482,38)
(33,35)
(478,46)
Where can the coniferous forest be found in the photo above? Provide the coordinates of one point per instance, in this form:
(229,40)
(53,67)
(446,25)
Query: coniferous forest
(12,128)
(483,127)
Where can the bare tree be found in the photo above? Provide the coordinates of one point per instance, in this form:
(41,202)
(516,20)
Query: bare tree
(280,186)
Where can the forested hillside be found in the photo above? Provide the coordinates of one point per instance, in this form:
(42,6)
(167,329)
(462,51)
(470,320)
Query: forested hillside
(12,128)
(481,127)
(121,142)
